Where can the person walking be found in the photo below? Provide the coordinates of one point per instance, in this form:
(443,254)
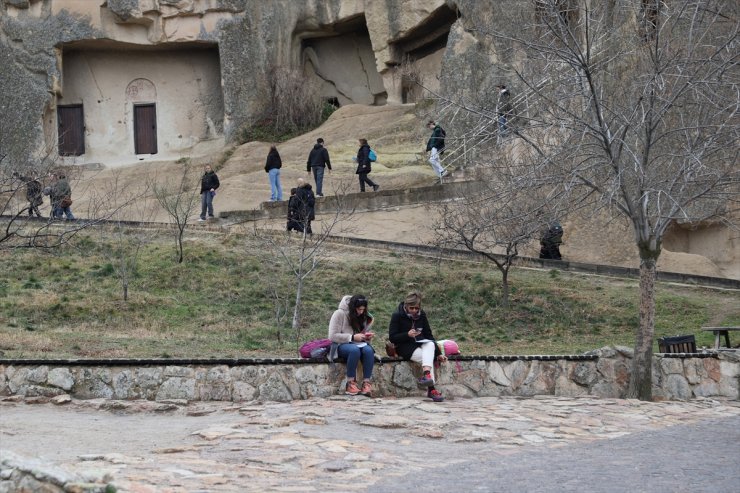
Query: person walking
(410,332)
(272,167)
(33,193)
(306,202)
(208,185)
(364,166)
(504,109)
(350,328)
(318,159)
(436,146)
(61,198)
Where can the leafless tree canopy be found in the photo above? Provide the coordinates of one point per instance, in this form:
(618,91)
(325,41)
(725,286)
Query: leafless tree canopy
(630,105)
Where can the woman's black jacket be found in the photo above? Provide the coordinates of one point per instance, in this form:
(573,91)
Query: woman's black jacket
(363,160)
(398,330)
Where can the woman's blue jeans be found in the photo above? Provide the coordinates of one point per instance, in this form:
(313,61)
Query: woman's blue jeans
(353,355)
(275,188)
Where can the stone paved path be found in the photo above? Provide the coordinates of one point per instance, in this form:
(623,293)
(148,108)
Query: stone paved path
(387,445)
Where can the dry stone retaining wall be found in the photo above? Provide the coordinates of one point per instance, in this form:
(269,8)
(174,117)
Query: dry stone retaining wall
(603,373)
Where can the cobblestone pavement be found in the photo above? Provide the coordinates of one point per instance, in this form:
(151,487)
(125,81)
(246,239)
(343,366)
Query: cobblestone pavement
(386,445)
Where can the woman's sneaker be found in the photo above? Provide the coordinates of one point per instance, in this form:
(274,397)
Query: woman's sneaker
(435,395)
(426,379)
(352,388)
(367,388)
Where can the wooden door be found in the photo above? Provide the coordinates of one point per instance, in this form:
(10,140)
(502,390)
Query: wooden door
(71,130)
(145,128)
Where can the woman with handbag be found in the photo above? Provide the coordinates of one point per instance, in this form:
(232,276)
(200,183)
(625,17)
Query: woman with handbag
(61,198)
(350,328)
(411,334)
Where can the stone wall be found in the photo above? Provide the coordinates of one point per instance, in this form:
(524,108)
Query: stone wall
(602,373)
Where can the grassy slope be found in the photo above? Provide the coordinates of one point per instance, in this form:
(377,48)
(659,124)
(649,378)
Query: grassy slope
(68,303)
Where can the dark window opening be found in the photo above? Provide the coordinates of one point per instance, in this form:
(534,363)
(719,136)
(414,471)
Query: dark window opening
(71,130)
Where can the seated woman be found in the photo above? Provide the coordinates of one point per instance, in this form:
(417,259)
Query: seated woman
(350,328)
(409,330)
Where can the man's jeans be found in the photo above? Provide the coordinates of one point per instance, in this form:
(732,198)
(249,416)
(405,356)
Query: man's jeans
(435,162)
(57,212)
(353,355)
(318,176)
(206,202)
(503,129)
(275,188)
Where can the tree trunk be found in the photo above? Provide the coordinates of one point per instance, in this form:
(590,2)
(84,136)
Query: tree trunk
(505,288)
(641,380)
(297,308)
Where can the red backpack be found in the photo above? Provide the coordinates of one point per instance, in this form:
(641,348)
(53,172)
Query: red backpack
(318,348)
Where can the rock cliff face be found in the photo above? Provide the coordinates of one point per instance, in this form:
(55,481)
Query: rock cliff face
(87,53)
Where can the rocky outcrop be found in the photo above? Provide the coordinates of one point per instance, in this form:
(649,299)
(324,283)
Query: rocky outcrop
(602,373)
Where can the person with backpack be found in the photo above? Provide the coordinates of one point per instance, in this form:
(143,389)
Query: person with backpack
(364,163)
(436,146)
(550,242)
(208,185)
(410,332)
(350,328)
(33,194)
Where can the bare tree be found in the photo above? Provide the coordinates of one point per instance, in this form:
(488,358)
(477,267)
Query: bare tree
(17,175)
(505,214)
(633,106)
(121,238)
(179,198)
(302,252)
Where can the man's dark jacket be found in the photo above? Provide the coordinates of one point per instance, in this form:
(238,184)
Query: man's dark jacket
(436,140)
(318,157)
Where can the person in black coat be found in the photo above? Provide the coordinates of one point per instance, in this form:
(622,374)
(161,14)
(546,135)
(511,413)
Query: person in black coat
(318,159)
(412,335)
(208,185)
(272,168)
(305,204)
(363,166)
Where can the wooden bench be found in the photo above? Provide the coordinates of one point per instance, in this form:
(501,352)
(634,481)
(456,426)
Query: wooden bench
(718,332)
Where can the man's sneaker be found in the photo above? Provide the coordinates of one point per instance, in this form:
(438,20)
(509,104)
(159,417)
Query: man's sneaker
(375,188)
(352,388)
(443,174)
(435,395)
(367,388)
(201,220)
(426,379)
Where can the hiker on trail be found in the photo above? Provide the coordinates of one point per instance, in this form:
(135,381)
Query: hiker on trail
(61,198)
(436,146)
(208,185)
(505,110)
(412,335)
(350,327)
(272,167)
(305,202)
(364,166)
(318,159)
(550,242)
(33,193)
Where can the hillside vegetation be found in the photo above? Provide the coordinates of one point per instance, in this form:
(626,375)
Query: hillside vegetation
(221,302)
